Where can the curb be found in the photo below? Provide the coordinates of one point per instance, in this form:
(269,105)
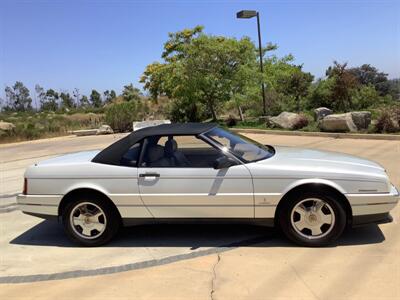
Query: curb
(8,208)
(335,135)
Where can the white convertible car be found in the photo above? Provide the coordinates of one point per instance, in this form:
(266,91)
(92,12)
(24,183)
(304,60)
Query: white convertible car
(201,172)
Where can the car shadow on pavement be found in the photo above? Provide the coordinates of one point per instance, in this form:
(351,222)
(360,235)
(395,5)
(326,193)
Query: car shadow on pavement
(50,233)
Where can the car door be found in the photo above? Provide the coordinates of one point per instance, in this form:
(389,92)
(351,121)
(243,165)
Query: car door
(188,186)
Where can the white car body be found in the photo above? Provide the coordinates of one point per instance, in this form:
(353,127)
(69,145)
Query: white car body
(248,191)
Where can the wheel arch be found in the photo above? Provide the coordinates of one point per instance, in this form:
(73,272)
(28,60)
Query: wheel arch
(85,191)
(324,187)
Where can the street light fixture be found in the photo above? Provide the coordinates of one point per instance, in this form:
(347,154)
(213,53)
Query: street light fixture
(247,14)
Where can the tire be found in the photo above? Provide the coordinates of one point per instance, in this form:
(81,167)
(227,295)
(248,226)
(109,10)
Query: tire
(90,221)
(302,215)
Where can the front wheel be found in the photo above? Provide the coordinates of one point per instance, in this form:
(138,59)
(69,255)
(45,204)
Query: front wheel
(90,221)
(312,220)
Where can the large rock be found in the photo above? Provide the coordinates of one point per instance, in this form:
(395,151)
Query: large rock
(6,126)
(322,112)
(104,129)
(361,119)
(352,121)
(337,123)
(288,120)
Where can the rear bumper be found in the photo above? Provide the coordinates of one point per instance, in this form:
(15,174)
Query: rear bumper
(373,208)
(46,205)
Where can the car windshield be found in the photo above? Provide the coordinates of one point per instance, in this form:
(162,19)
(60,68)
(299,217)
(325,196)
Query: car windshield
(242,147)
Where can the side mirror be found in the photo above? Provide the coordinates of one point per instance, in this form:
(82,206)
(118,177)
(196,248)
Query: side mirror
(224,162)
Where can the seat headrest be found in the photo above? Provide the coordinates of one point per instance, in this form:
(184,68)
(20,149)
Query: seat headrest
(170,147)
(154,153)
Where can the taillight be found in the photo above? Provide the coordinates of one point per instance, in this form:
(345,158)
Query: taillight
(25,189)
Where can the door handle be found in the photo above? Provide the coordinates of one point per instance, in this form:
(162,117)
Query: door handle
(149,175)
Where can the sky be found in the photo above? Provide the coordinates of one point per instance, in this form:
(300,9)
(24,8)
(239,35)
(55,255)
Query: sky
(106,44)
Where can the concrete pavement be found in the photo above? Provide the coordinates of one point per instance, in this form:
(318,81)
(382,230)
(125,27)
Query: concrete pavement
(199,262)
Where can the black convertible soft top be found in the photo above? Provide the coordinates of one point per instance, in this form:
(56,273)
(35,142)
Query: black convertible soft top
(113,153)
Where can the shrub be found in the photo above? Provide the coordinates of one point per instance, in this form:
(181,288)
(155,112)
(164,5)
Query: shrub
(186,111)
(386,122)
(365,97)
(301,122)
(121,115)
(231,121)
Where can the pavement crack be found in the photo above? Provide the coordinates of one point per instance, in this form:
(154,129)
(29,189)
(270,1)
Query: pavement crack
(304,282)
(214,278)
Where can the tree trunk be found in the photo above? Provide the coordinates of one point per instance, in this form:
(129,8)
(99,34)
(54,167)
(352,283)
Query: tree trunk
(240,113)
(214,115)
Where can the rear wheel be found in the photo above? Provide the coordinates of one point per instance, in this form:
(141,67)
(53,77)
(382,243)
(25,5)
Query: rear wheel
(312,220)
(90,221)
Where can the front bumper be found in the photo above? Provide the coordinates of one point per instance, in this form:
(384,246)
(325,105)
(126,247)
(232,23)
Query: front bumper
(39,204)
(373,208)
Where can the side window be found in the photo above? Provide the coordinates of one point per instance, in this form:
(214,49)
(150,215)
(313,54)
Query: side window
(131,157)
(179,152)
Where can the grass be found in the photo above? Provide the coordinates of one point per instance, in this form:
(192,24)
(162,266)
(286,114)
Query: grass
(30,126)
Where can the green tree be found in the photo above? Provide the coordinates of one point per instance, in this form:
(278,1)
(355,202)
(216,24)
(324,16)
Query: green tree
(201,69)
(76,94)
(40,94)
(66,100)
(369,75)
(18,97)
(321,94)
(121,115)
(343,84)
(109,96)
(50,100)
(95,98)
(84,102)
(366,96)
(394,88)
(296,84)
(130,93)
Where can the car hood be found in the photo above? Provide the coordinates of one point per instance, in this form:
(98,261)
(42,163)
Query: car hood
(289,161)
(310,156)
(71,158)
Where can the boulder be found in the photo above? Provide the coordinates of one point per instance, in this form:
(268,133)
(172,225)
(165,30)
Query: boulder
(288,120)
(104,129)
(337,123)
(321,112)
(351,121)
(361,119)
(6,126)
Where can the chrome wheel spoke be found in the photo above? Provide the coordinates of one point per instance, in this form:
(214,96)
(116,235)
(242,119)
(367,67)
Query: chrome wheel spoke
(301,224)
(301,210)
(319,204)
(77,221)
(326,219)
(86,231)
(97,216)
(316,230)
(98,226)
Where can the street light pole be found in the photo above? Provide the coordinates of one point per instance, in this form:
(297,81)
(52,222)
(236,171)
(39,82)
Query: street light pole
(247,14)
(261,65)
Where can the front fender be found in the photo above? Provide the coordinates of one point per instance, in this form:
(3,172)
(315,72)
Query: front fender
(326,182)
